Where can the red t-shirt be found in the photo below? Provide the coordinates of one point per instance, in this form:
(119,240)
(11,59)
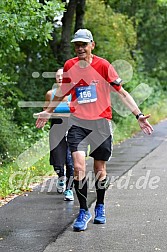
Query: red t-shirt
(90,88)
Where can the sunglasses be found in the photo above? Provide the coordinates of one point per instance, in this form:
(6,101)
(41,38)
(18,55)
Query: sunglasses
(82,45)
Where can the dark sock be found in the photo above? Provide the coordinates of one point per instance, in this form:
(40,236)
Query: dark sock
(69,183)
(69,177)
(59,170)
(100,190)
(81,191)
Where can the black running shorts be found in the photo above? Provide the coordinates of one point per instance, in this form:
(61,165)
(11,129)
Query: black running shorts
(96,133)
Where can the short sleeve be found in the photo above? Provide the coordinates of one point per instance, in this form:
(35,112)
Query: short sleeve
(113,78)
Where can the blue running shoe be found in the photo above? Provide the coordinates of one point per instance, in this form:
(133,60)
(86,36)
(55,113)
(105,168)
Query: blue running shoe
(100,217)
(82,220)
(68,195)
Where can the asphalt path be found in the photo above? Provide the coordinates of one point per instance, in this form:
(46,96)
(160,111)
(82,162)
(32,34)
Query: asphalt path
(41,220)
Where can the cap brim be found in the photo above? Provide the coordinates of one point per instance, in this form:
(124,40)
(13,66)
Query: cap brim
(81,40)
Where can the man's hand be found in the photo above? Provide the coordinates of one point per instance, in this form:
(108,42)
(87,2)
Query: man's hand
(43,117)
(145,125)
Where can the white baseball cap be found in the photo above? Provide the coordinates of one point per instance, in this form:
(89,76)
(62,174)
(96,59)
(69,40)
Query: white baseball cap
(82,35)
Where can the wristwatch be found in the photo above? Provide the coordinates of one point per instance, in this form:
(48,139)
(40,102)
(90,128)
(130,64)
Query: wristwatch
(138,115)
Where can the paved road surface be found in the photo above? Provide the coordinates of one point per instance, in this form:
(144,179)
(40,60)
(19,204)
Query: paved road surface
(136,207)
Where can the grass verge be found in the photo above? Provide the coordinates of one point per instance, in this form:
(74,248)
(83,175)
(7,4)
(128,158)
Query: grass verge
(16,180)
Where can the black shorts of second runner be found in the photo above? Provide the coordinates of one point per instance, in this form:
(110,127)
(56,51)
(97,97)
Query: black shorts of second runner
(96,133)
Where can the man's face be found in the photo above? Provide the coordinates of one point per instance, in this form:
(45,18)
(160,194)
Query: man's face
(59,77)
(83,49)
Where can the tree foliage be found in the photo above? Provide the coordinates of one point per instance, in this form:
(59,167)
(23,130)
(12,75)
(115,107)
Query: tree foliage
(24,21)
(149,18)
(22,24)
(114,33)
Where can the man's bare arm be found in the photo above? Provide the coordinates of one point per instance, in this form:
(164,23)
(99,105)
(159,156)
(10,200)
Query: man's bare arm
(44,116)
(128,100)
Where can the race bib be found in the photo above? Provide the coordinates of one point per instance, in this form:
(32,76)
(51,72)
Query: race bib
(86,94)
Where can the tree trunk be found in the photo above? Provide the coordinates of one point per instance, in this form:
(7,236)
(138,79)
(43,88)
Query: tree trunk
(62,50)
(80,11)
(54,44)
(65,46)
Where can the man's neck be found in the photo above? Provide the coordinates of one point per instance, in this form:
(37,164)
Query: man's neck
(86,62)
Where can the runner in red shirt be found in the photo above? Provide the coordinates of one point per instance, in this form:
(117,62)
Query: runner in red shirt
(90,80)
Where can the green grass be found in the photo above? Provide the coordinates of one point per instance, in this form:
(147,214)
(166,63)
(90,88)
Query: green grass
(16,180)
